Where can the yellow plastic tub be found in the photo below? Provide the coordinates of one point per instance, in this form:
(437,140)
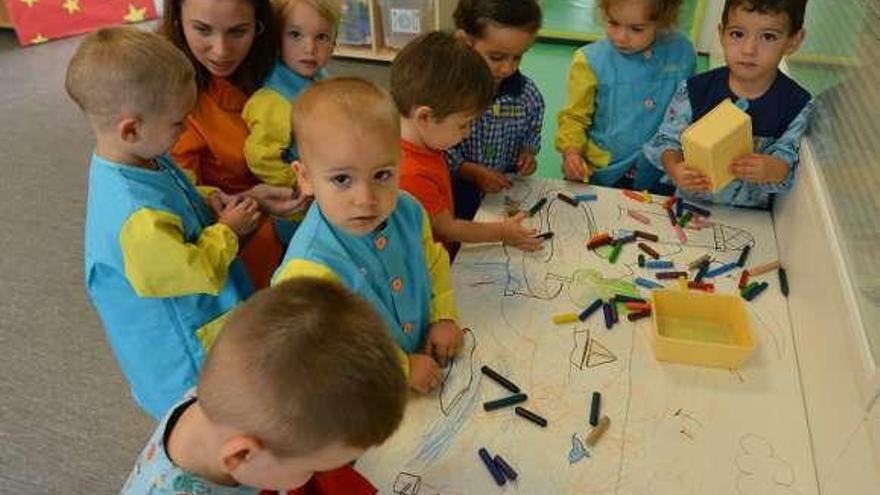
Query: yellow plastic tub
(695,327)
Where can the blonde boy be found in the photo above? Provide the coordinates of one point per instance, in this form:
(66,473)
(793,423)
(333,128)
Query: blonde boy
(159,268)
(361,231)
(440,86)
(267,411)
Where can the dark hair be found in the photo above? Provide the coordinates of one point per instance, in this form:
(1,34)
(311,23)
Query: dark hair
(794,9)
(256,64)
(439,71)
(302,365)
(472,16)
(663,12)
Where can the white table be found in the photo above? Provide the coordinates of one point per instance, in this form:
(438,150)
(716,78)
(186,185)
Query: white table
(675,429)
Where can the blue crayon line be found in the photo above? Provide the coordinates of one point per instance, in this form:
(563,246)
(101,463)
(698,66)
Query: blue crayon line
(721,270)
(505,468)
(590,310)
(647,284)
(658,264)
(586,197)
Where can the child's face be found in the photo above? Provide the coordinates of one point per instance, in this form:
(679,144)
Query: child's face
(266,471)
(629,26)
(352,173)
(160,130)
(308,40)
(754,43)
(219,33)
(440,135)
(502,47)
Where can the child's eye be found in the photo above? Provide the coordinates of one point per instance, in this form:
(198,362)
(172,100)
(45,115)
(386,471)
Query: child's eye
(769,37)
(295,34)
(496,58)
(638,29)
(735,34)
(323,38)
(341,180)
(383,175)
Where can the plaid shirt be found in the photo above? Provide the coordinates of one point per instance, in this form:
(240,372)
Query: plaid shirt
(511,124)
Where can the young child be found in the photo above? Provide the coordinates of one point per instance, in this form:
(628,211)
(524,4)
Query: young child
(617,90)
(507,137)
(440,86)
(308,35)
(755,35)
(159,269)
(267,412)
(361,231)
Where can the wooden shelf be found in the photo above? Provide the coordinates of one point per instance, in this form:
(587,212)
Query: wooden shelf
(377,50)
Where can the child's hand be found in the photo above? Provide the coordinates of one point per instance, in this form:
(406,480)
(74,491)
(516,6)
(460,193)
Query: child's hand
(688,178)
(514,233)
(424,374)
(242,216)
(526,163)
(278,200)
(218,200)
(444,340)
(759,169)
(574,167)
(491,181)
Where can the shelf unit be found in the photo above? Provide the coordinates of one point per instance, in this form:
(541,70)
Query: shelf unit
(377,50)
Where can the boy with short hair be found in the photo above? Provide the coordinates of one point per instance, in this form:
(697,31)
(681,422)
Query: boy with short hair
(361,231)
(440,86)
(267,412)
(160,269)
(755,35)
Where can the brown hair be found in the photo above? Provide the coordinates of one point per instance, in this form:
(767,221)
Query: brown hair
(794,9)
(303,365)
(472,16)
(257,63)
(123,67)
(359,104)
(663,12)
(329,10)
(439,71)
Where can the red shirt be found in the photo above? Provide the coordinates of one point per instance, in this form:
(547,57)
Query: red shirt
(424,174)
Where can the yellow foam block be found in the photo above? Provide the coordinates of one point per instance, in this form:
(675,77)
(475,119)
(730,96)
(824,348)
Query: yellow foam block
(712,143)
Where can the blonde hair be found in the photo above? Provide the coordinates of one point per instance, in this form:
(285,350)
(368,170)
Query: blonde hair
(303,365)
(663,12)
(358,105)
(329,10)
(123,68)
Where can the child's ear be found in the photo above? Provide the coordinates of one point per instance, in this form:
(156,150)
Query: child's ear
(238,450)
(128,128)
(463,36)
(423,114)
(794,41)
(303,178)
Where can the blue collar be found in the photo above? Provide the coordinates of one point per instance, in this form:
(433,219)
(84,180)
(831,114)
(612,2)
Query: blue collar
(287,82)
(512,85)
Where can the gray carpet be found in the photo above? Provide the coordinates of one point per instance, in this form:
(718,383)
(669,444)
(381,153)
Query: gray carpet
(67,422)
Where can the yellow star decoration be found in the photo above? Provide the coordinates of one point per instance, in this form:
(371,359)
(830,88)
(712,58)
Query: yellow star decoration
(29,3)
(39,38)
(135,14)
(71,6)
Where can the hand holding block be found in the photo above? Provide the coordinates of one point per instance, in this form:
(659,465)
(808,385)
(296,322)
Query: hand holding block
(712,143)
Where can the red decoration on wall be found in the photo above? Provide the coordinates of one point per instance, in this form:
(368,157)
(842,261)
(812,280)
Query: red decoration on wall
(38,21)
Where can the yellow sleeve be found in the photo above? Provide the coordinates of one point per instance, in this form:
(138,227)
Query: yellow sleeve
(160,263)
(305,268)
(437,261)
(576,116)
(267,115)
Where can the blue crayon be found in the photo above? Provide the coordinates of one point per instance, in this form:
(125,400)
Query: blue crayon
(590,310)
(595,404)
(492,467)
(658,264)
(609,317)
(721,270)
(614,314)
(647,284)
(586,197)
(694,208)
(505,468)
(704,268)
